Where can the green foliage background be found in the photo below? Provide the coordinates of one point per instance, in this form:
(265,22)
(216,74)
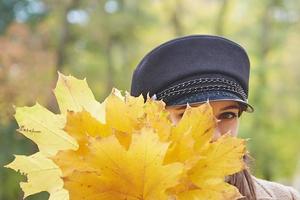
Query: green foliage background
(103,40)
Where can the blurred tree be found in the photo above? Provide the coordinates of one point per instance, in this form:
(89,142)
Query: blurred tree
(7,14)
(30,11)
(265,127)
(23,56)
(176,18)
(25,77)
(111,46)
(64,36)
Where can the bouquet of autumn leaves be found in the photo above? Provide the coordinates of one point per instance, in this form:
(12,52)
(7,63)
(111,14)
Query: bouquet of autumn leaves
(124,148)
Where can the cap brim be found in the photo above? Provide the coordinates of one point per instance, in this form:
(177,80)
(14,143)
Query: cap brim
(210,97)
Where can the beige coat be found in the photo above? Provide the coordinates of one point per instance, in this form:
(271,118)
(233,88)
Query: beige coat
(267,190)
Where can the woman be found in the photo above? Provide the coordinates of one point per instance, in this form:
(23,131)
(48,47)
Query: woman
(199,68)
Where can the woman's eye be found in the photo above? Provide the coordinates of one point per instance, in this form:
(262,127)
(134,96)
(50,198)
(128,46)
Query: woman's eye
(228,115)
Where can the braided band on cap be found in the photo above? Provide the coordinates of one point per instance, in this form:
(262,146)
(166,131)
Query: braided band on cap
(202,85)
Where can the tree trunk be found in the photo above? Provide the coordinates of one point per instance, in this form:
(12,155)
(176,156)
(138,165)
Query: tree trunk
(110,65)
(221,18)
(64,36)
(175,19)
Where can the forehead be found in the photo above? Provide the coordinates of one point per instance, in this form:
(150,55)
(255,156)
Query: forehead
(216,105)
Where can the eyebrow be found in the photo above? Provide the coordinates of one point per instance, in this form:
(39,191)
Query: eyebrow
(176,107)
(182,108)
(230,107)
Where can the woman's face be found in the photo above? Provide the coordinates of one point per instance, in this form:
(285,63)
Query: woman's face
(226,112)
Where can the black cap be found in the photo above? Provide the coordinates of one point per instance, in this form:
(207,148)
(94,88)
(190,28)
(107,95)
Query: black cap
(194,69)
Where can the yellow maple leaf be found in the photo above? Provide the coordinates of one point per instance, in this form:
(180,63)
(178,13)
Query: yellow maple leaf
(136,173)
(216,191)
(45,129)
(125,148)
(158,118)
(81,126)
(219,159)
(123,115)
(42,175)
(74,95)
(192,133)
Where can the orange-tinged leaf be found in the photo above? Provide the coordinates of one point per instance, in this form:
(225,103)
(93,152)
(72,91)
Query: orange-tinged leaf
(69,161)
(157,117)
(192,133)
(81,126)
(123,114)
(200,121)
(223,157)
(221,190)
(136,173)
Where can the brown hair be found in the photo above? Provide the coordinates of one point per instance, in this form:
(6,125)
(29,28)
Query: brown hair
(244,182)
